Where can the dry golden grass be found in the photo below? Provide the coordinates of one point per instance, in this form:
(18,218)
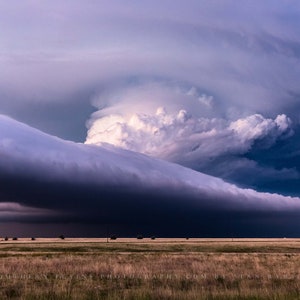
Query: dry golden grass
(147,269)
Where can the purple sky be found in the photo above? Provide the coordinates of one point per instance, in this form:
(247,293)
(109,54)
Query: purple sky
(211,85)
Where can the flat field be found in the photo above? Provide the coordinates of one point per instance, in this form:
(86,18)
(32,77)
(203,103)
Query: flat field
(150,269)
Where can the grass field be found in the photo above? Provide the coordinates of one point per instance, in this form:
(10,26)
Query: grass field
(150,269)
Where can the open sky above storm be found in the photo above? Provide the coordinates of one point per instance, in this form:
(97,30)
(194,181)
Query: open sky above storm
(209,85)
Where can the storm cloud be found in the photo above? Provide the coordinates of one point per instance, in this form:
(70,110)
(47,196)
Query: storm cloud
(244,55)
(54,181)
(210,85)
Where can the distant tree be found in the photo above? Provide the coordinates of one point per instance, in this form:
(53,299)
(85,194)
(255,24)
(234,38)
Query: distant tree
(33,238)
(153,238)
(15,238)
(139,237)
(6,238)
(113,237)
(62,237)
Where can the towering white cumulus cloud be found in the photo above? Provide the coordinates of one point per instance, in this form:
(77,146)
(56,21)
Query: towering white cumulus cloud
(189,128)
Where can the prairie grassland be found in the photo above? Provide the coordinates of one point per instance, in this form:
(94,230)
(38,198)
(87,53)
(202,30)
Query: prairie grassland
(146,269)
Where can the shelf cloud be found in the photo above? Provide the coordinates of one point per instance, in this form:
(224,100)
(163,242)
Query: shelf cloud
(48,180)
